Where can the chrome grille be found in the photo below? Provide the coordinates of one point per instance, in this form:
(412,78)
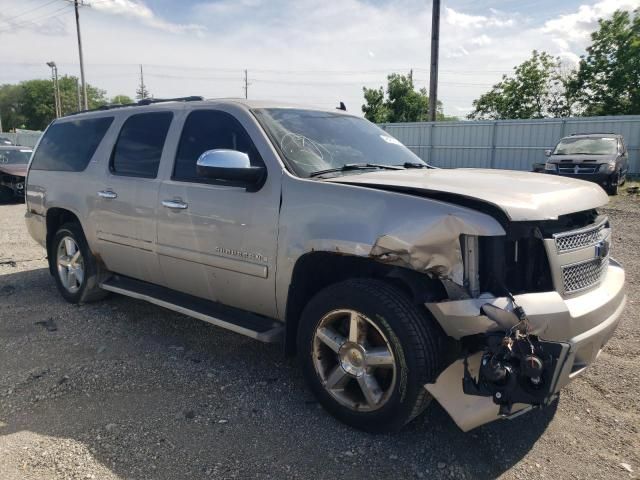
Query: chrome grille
(580,238)
(583,275)
(577,168)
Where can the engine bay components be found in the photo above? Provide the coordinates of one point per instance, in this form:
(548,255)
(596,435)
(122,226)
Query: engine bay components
(516,366)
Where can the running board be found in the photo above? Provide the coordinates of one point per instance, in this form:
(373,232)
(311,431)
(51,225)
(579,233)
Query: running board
(252,325)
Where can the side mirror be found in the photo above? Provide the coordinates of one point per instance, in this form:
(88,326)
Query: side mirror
(547,152)
(231,166)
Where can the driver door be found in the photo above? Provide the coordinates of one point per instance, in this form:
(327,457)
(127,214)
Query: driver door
(217,241)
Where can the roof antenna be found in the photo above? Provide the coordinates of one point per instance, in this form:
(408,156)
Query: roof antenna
(342,107)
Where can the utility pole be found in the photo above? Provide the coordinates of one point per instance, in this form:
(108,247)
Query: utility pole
(142,92)
(0,122)
(246,84)
(79,96)
(433,76)
(84,83)
(56,90)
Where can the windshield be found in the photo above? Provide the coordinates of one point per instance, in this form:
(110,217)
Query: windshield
(313,141)
(15,156)
(587,146)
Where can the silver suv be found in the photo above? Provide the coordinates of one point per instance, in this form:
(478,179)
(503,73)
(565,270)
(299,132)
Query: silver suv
(394,282)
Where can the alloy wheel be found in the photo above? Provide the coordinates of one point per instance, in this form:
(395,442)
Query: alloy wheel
(354,360)
(70,264)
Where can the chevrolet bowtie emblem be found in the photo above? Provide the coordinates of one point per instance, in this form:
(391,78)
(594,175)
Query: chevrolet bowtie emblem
(602,249)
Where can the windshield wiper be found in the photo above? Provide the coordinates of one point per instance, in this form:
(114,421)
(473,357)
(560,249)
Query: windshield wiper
(414,165)
(355,166)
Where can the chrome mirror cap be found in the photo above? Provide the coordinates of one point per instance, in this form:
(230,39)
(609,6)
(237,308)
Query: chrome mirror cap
(232,168)
(221,158)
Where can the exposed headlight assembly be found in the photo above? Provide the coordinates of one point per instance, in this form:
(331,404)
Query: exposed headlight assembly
(608,167)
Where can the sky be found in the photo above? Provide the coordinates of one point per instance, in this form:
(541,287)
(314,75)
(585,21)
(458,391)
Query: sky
(316,52)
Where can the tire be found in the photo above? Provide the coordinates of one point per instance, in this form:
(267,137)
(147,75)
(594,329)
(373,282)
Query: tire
(6,194)
(390,321)
(613,189)
(83,288)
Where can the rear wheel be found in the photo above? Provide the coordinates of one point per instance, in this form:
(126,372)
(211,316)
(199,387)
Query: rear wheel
(75,268)
(367,352)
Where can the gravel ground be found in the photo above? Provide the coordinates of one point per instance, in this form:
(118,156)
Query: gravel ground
(123,389)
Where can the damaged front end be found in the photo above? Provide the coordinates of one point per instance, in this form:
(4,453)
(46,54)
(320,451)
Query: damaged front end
(530,318)
(516,367)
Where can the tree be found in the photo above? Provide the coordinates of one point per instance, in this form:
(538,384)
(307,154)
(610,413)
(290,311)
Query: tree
(403,103)
(375,108)
(30,104)
(121,100)
(69,95)
(537,89)
(608,77)
(12,117)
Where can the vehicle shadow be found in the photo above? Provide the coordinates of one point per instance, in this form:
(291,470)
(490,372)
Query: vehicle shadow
(147,393)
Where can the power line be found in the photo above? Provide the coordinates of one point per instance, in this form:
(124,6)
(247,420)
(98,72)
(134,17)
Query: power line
(275,72)
(8,20)
(47,16)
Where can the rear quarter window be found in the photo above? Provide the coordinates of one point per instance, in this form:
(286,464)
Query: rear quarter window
(69,146)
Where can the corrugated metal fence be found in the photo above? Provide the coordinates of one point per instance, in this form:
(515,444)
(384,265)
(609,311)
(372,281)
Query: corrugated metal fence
(28,138)
(509,144)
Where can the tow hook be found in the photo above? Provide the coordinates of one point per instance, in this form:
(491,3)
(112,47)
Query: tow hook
(516,367)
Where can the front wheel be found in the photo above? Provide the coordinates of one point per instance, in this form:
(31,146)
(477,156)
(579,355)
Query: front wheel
(612,189)
(367,353)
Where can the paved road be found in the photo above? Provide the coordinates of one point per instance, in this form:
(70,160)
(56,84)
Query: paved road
(123,389)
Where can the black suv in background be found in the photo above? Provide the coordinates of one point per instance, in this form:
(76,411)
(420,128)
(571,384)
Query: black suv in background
(598,157)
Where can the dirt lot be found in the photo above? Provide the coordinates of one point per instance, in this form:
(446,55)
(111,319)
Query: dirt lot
(123,389)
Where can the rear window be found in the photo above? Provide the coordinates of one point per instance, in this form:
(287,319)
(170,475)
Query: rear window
(139,147)
(69,146)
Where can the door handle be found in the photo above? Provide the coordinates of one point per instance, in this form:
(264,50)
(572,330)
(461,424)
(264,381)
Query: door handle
(175,204)
(107,194)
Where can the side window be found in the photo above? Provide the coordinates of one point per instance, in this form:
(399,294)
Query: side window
(68,146)
(139,147)
(207,130)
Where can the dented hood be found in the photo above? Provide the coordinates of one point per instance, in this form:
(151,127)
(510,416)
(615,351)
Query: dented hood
(521,195)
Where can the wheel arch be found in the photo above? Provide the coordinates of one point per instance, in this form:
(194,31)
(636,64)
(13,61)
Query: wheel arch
(316,270)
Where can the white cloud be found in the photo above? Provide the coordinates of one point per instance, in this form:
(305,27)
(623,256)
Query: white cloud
(309,51)
(463,20)
(481,40)
(577,26)
(458,52)
(138,10)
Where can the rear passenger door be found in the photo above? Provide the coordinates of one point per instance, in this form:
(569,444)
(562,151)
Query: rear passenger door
(218,241)
(128,197)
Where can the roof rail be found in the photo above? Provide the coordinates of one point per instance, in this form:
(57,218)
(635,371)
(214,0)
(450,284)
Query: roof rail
(140,103)
(149,101)
(592,133)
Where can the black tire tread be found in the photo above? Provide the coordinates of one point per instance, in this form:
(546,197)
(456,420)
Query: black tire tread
(422,332)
